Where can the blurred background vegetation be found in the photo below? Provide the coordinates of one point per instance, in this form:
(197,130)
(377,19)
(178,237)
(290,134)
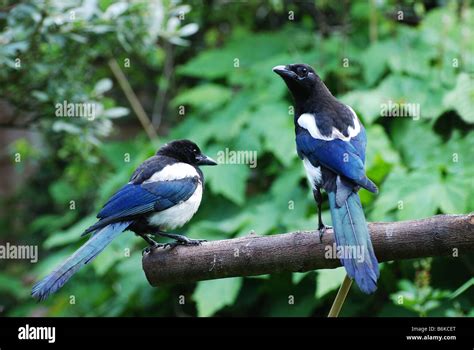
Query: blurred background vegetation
(202,70)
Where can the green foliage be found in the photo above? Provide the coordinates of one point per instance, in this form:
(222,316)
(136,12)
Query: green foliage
(461,98)
(420,300)
(329,280)
(211,296)
(233,101)
(440,173)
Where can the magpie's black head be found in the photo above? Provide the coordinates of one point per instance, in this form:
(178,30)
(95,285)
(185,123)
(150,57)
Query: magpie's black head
(301,79)
(185,151)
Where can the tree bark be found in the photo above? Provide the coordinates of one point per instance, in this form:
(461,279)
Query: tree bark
(448,235)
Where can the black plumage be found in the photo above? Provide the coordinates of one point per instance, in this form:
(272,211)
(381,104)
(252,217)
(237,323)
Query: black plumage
(163,192)
(331,142)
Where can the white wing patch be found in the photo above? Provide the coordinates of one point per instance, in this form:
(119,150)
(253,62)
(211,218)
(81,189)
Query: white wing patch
(308,122)
(312,173)
(179,214)
(174,171)
(353,131)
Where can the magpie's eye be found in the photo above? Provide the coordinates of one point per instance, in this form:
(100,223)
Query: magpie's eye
(302,72)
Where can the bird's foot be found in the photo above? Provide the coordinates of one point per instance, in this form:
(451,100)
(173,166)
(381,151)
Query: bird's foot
(148,249)
(184,241)
(180,240)
(322,230)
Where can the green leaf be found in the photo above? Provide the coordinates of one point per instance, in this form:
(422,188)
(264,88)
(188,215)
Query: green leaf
(329,280)
(419,195)
(229,180)
(227,122)
(389,195)
(213,295)
(225,227)
(425,190)
(396,90)
(410,54)
(281,189)
(116,112)
(264,217)
(469,283)
(133,279)
(461,98)
(240,53)
(407,133)
(193,128)
(70,128)
(297,277)
(103,86)
(275,125)
(210,64)
(380,153)
(453,194)
(188,29)
(73,234)
(115,10)
(374,60)
(205,97)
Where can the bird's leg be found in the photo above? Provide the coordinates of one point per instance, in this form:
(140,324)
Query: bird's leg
(151,242)
(319,201)
(179,239)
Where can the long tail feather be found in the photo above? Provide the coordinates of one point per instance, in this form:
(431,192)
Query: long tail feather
(352,234)
(55,280)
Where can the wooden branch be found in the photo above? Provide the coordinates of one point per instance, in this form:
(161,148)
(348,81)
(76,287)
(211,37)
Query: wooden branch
(302,251)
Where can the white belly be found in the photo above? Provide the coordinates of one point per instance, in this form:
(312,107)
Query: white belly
(179,214)
(312,173)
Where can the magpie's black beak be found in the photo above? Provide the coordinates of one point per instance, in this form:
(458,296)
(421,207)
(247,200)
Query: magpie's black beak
(284,72)
(205,160)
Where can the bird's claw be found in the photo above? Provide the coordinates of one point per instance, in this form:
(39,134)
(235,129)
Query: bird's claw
(148,249)
(322,230)
(197,241)
(185,242)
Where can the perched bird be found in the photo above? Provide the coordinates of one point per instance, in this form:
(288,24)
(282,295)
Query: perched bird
(163,193)
(331,141)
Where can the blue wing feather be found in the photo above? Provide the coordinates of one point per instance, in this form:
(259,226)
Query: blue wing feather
(141,199)
(129,197)
(342,157)
(360,142)
(89,250)
(152,196)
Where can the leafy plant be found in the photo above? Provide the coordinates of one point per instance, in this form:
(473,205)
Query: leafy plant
(217,88)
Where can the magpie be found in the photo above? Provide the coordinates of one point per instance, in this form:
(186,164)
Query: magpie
(163,193)
(331,142)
